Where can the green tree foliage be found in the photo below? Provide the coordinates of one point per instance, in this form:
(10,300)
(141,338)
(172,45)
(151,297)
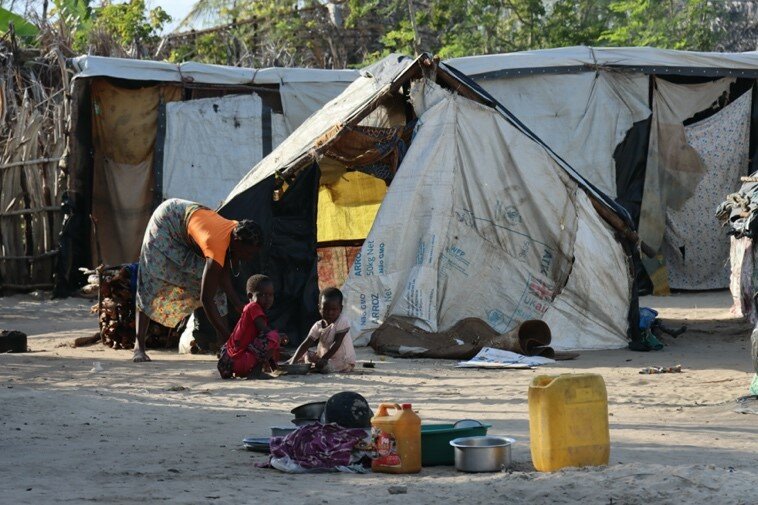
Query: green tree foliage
(77,16)
(578,22)
(673,24)
(453,28)
(130,23)
(309,33)
(450,28)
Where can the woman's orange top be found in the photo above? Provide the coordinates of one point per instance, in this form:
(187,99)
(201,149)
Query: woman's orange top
(212,233)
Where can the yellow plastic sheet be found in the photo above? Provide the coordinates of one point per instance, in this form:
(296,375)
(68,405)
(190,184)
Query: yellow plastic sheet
(347,208)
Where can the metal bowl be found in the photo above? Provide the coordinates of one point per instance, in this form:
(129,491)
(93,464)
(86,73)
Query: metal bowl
(482,454)
(282,431)
(295,368)
(303,422)
(257,444)
(467,423)
(311,410)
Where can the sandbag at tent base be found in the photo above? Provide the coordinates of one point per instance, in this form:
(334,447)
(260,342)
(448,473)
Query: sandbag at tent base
(397,337)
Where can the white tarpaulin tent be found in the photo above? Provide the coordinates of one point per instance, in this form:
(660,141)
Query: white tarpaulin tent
(481,220)
(586,102)
(646,60)
(496,224)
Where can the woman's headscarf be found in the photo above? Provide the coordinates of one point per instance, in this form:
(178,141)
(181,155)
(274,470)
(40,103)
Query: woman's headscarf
(249,232)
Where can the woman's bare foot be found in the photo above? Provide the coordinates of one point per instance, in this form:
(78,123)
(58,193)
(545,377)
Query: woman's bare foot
(140,356)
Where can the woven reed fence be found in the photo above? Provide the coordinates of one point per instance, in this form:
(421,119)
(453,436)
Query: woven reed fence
(34,113)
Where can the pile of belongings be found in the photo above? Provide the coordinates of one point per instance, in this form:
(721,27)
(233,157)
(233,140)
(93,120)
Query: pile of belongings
(740,209)
(651,330)
(117,287)
(341,442)
(397,337)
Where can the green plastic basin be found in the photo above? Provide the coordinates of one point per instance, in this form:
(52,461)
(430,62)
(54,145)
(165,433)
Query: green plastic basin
(435,442)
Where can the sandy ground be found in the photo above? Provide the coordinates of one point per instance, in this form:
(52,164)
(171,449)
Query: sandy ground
(131,434)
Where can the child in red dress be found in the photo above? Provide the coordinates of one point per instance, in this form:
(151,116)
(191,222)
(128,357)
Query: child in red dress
(252,345)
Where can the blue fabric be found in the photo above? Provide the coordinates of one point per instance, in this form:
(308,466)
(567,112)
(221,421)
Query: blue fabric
(133,271)
(647,317)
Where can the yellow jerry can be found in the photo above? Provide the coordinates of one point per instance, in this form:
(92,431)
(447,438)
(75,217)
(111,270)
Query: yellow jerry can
(568,421)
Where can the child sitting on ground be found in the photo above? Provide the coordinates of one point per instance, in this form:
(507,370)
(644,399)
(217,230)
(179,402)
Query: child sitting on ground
(252,345)
(335,352)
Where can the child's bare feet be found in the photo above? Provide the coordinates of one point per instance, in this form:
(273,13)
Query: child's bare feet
(264,377)
(258,374)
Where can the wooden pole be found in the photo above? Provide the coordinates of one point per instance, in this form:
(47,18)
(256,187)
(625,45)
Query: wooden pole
(416,37)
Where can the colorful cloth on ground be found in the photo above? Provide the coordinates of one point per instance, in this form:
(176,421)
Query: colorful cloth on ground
(695,245)
(246,347)
(318,447)
(170,269)
(212,233)
(344,359)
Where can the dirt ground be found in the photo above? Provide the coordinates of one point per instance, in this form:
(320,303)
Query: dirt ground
(171,430)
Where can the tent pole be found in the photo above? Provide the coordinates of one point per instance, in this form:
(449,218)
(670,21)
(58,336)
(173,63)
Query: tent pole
(619,225)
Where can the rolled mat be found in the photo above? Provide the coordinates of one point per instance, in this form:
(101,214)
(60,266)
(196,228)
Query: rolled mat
(531,338)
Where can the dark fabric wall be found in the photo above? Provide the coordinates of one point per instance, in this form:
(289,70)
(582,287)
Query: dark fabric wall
(289,256)
(631,160)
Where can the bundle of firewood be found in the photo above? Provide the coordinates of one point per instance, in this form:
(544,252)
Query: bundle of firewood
(116,311)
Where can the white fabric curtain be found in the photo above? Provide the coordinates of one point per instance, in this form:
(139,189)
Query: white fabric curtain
(673,168)
(212,143)
(695,244)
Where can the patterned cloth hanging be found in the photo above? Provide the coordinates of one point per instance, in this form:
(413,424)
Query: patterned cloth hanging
(374,151)
(695,245)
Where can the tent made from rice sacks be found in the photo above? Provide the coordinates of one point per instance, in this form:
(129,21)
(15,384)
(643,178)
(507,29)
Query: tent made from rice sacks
(666,133)
(458,210)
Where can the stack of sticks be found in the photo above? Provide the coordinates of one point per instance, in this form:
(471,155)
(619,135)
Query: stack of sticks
(116,310)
